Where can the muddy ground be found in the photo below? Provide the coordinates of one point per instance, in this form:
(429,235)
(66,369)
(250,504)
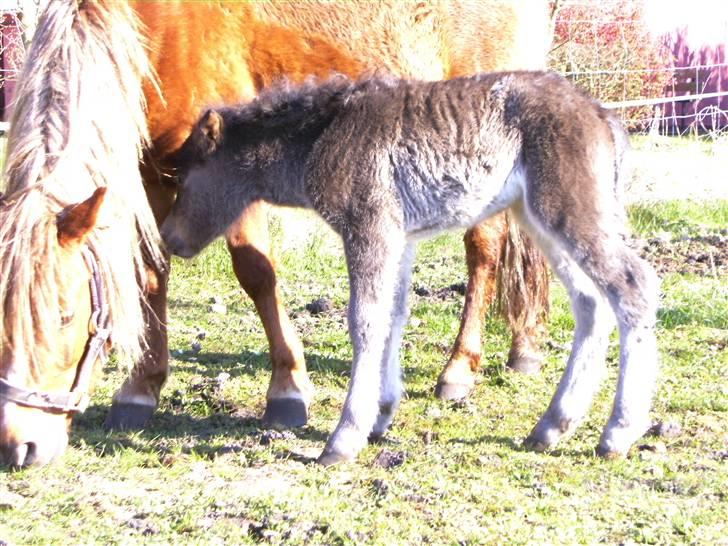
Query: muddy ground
(704,255)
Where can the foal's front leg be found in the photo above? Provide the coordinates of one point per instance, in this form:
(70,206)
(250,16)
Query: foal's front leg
(373,276)
(391,373)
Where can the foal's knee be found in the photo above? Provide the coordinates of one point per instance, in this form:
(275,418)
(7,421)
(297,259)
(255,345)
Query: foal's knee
(633,292)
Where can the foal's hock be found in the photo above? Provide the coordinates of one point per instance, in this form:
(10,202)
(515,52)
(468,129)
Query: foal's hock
(388,162)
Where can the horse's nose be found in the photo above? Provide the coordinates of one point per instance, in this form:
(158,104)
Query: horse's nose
(19,455)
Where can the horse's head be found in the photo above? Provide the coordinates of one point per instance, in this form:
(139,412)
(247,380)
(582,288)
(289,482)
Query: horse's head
(45,374)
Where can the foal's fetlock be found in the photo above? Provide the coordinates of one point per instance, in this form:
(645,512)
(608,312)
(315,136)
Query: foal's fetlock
(331,457)
(618,437)
(549,431)
(384,421)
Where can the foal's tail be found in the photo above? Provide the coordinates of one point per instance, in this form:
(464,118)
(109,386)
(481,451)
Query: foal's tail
(79,123)
(621,147)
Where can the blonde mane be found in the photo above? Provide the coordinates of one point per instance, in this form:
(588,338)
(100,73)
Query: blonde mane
(78,123)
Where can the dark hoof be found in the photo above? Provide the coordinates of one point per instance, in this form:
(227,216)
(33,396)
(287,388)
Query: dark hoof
(528,365)
(452,391)
(330,458)
(128,416)
(608,454)
(285,412)
(532,444)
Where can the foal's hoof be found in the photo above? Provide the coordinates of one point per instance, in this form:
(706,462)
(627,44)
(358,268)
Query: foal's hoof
(529,365)
(285,412)
(330,458)
(452,391)
(532,443)
(609,454)
(125,416)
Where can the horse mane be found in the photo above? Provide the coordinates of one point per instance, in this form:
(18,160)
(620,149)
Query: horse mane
(78,124)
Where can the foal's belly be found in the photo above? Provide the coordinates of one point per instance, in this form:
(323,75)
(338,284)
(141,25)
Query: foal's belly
(435,207)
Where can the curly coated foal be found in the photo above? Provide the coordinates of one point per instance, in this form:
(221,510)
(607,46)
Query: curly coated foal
(388,162)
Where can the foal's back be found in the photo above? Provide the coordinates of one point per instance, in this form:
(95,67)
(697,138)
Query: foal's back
(450,153)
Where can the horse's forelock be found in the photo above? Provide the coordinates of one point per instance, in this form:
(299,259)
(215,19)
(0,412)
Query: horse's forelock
(65,142)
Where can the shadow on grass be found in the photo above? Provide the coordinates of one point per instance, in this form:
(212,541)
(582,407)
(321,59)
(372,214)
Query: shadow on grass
(209,436)
(249,363)
(224,423)
(516,445)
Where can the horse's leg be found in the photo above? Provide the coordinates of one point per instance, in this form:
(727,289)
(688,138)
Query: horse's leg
(374,268)
(391,373)
(482,250)
(135,402)
(501,261)
(290,391)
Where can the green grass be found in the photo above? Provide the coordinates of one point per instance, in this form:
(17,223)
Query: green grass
(679,217)
(205,472)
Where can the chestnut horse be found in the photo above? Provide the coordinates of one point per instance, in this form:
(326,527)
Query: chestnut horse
(104,80)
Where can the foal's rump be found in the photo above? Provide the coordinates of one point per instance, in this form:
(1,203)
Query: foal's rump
(572,154)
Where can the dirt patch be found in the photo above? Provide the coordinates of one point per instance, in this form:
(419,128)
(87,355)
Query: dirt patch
(705,255)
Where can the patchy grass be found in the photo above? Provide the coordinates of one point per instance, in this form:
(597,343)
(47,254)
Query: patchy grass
(680,218)
(205,472)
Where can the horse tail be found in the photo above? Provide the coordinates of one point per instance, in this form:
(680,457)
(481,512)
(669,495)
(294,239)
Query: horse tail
(78,123)
(522,285)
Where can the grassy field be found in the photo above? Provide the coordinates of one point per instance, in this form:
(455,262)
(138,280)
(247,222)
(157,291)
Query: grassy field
(205,472)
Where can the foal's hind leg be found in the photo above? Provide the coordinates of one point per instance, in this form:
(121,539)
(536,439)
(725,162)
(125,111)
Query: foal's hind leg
(585,251)
(632,290)
(374,266)
(391,373)
(290,391)
(585,367)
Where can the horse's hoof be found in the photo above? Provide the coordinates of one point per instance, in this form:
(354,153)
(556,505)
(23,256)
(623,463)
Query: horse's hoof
(330,458)
(285,412)
(125,416)
(529,365)
(452,391)
(533,444)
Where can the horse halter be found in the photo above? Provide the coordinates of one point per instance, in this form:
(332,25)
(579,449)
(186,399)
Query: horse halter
(77,399)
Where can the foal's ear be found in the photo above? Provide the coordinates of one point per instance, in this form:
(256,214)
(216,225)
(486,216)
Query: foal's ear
(209,130)
(75,222)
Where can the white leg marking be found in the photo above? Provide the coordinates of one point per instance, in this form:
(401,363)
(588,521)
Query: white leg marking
(391,374)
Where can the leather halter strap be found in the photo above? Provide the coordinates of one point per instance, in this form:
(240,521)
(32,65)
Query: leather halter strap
(77,399)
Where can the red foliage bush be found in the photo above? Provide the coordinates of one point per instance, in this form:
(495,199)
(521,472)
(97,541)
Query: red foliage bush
(607,49)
